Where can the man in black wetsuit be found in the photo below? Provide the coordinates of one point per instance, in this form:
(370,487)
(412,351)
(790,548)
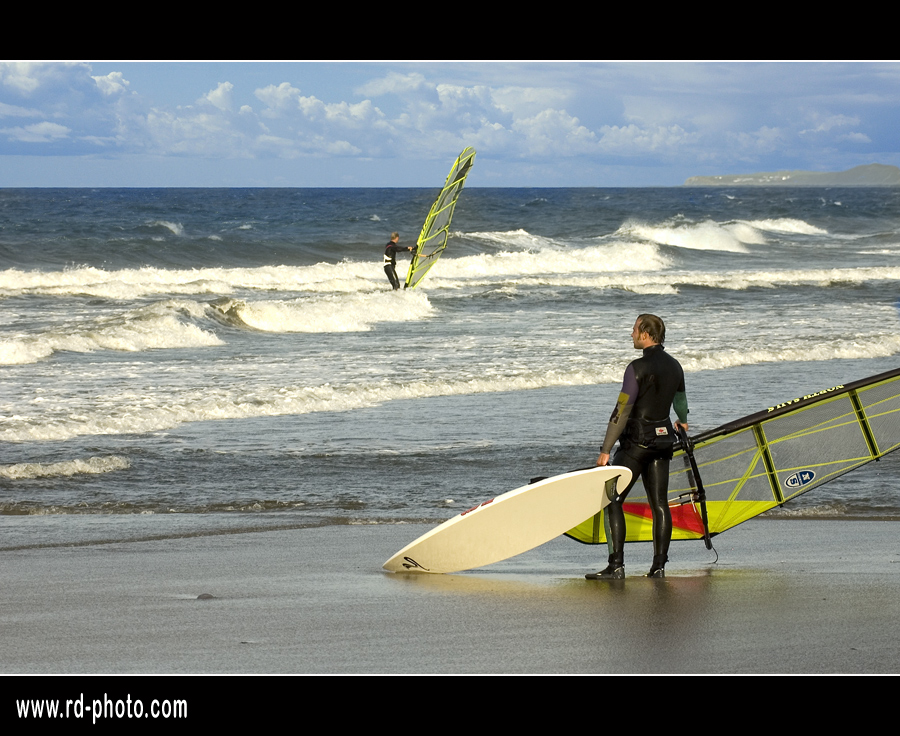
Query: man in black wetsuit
(653,384)
(390,259)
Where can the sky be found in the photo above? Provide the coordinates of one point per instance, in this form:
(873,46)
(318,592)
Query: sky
(401,124)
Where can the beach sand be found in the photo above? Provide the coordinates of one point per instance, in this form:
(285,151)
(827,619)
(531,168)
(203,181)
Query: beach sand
(786,596)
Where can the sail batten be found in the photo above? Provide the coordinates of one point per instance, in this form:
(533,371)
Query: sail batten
(433,238)
(765,459)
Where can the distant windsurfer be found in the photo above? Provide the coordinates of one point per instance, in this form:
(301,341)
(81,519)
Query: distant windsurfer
(390,259)
(653,384)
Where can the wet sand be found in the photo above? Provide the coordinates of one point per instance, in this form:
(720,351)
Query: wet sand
(786,596)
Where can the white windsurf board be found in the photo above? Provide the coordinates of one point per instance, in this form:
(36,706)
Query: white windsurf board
(513,523)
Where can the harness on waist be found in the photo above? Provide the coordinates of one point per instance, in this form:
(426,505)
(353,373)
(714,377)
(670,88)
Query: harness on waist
(653,434)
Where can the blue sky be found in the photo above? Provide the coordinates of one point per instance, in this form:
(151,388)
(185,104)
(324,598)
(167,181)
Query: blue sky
(305,124)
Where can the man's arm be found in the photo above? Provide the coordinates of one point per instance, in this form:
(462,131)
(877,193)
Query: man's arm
(681,409)
(619,418)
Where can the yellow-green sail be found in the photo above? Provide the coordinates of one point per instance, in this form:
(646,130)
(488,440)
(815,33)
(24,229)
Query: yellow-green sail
(756,463)
(433,238)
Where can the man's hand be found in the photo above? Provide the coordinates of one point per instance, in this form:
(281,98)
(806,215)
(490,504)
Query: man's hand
(603,459)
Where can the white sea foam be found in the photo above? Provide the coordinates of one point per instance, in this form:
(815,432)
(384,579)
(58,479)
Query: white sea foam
(874,347)
(92,466)
(515,239)
(22,350)
(739,280)
(174,227)
(135,283)
(834,509)
(624,257)
(344,277)
(159,408)
(668,282)
(153,327)
(706,235)
(720,236)
(616,258)
(787,225)
(349,313)
(159,411)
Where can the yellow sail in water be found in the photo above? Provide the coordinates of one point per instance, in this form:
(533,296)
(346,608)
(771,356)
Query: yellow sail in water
(763,460)
(433,238)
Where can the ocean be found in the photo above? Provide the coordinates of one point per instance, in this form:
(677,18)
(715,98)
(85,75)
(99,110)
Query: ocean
(178,362)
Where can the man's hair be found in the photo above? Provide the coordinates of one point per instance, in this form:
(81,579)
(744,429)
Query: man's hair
(653,326)
(395,235)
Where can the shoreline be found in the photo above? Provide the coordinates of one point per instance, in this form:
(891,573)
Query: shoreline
(245,524)
(315,600)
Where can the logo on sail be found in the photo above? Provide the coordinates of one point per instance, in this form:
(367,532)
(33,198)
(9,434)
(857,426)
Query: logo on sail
(800,478)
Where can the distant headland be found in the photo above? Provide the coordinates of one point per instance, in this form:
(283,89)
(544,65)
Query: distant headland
(871,175)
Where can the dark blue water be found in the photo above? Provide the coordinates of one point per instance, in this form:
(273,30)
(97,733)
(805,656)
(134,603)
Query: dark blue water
(179,361)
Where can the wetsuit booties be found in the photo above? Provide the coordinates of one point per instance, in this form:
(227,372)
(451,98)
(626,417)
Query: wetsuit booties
(615,570)
(658,568)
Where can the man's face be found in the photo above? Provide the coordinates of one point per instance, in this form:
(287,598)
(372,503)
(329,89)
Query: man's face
(640,339)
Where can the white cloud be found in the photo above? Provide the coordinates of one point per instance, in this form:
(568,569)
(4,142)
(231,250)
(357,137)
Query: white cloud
(100,141)
(192,132)
(831,122)
(855,138)
(518,120)
(762,141)
(341,148)
(14,111)
(636,140)
(37,133)
(112,84)
(284,99)
(281,147)
(669,115)
(454,98)
(27,77)
(554,132)
(22,76)
(394,84)
(528,101)
(220,97)
(279,98)
(354,114)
